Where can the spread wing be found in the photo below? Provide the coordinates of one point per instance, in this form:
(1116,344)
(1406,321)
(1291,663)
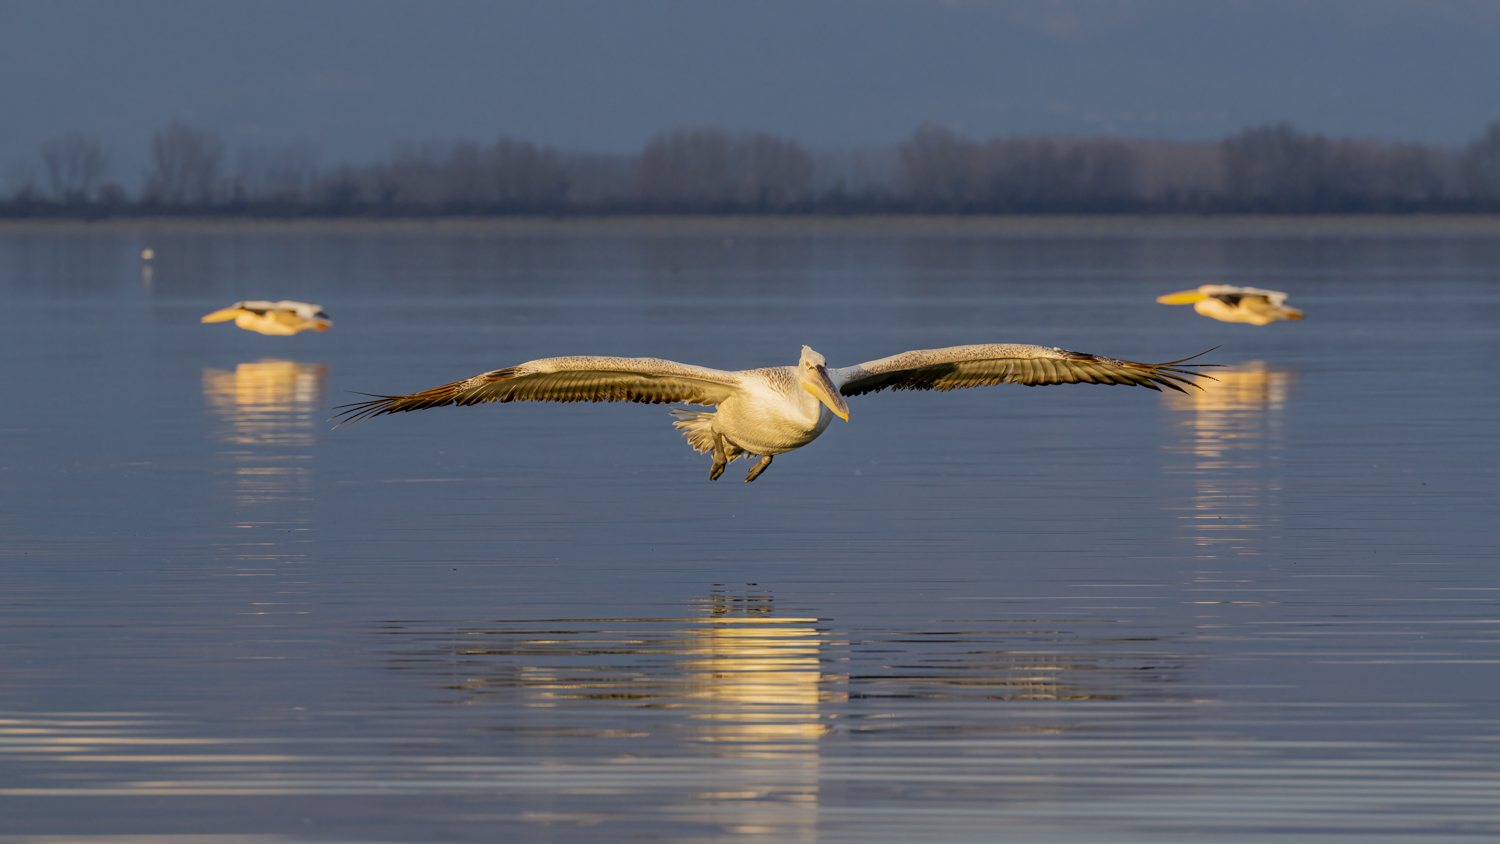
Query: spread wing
(976,366)
(569,379)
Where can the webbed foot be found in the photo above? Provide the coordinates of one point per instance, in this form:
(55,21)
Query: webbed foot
(759,467)
(720,461)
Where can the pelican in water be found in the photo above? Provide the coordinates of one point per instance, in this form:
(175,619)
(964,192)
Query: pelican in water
(1227,303)
(766,412)
(284,317)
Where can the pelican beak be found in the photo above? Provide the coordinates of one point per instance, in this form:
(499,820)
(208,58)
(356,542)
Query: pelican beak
(223,315)
(822,388)
(1186,297)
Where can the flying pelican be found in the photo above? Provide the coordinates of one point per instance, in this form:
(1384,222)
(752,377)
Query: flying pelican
(284,317)
(771,411)
(1227,303)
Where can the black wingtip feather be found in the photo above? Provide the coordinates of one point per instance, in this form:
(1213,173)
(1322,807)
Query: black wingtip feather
(1184,361)
(356,411)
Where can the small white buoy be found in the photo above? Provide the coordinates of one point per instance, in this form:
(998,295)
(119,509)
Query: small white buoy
(147,254)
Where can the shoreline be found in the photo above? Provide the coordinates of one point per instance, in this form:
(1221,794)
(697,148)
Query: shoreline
(1351,225)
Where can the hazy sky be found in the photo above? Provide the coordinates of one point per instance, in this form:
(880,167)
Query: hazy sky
(354,76)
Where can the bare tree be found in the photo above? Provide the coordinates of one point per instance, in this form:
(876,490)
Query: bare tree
(413,173)
(939,169)
(1481,165)
(1274,168)
(453,176)
(467,177)
(1057,174)
(462,177)
(21,182)
(1277,168)
(341,191)
(771,173)
(597,181)
(1412,175)
(1178,174)
(944,171)
(286,174)
(75,164)
(714,170)
(186,165)
(523,175)
(1270,166)
(688,169)
(854,175)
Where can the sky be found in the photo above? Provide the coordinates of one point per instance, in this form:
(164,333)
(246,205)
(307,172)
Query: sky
(354,77)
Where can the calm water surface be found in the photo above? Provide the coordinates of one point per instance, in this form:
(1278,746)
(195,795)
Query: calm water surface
(1270,610)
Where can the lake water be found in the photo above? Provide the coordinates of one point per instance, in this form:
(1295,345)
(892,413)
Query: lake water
(1077,613)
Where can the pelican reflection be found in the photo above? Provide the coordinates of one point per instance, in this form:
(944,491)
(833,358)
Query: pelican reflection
(268,402)
(739,713)
(736,678)
(759,676)
(1232,431)
(268,410)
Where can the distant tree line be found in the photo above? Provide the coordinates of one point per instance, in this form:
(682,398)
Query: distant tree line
(1266,169)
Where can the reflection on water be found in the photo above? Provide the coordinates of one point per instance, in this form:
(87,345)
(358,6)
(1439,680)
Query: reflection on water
(947,654)
(1232,433)
(272,402)
(1130,774)
(761,675)
(758,680)
(770,694)
(737,680)
(739,719)
(270,409)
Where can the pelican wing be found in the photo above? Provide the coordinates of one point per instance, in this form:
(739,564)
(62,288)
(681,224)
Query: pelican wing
(1275,297)
(288,319)
(976,366)
(569,379)
(1264,310)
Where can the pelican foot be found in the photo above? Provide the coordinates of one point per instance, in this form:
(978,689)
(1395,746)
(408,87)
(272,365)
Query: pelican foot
(759,467)
(720,461)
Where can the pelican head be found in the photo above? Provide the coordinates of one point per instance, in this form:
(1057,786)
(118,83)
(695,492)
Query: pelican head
(812,371)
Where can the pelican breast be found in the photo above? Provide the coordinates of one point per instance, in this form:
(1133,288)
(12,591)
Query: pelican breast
(771,413)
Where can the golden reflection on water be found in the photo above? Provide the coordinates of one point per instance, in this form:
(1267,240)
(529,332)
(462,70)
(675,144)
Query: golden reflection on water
(271,402)
(758,681)
(271,410)
(1231,432)
(769,696)
(762,675)
(745,681)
